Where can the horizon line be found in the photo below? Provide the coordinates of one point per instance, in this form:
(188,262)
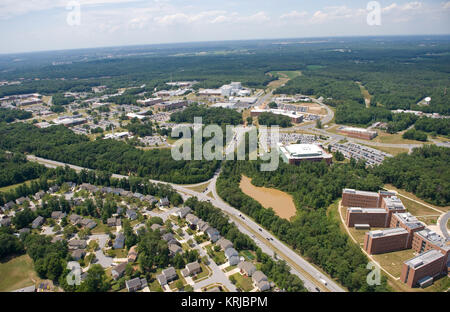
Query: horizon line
(217,41)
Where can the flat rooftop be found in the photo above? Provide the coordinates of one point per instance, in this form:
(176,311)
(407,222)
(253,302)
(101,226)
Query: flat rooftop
(394,203)
(357,130)
(356,192)
(367,210)
(304,151)
(409,220)
(424,259)
(388,232)
(434,238)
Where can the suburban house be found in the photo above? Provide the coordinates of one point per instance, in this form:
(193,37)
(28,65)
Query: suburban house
(167,276)
(192,268)
(232,256)
(118,270)
(88,223)
(37,222)
(202,226)
(213,234)
(131,214)
(39,195)
(119,242)
(132,254)
(113,221)
(247,268)
(192,220)
(224,243)
(58,215)
(78,254)
(174,249)
(136,284)
(74,218)
(258,277)
(183,212)
(77,244)
(164,202)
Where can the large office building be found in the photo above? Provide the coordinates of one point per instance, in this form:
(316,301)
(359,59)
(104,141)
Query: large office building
(409,223)
(421,270)
(362,199)
(370,208)
(427,239)
(150,102)
(169,105)
(375,217)
(382,241)
(297,153)
(358,133)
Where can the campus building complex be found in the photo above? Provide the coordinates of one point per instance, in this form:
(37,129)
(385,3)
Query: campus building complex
(404,231)
(370,208)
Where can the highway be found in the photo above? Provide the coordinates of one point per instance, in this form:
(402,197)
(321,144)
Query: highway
(309,274)
(443,221)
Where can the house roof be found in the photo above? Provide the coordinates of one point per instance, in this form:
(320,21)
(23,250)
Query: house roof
(259,276)
(169,272)
(247,267)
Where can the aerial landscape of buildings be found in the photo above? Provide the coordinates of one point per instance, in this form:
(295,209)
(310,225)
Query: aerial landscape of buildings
(108,183)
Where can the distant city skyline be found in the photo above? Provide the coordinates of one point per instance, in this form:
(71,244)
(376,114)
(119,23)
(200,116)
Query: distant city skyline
(30,25)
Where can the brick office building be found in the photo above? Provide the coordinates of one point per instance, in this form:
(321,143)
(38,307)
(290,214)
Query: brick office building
(427,239)
(382,241)
(375,209)
(375,217)
(392,205)
(363,199)
(422,270)
(408,222)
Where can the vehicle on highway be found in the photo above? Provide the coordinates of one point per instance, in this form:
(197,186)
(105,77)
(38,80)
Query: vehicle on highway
(323,281)
(318,289)
(260,229)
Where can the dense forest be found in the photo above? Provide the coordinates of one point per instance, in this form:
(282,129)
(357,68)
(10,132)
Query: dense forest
(425,172)
(61,144)
(215,115)
(270,119)
(15,169)
(9,115)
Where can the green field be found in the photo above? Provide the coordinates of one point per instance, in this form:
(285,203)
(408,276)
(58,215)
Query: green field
(243,282)
(17,273)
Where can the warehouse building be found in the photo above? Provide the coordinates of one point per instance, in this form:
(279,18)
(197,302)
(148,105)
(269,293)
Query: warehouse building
(296,153)
(358,133)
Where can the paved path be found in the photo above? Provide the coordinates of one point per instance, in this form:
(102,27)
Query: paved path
(103,260)
(443,221)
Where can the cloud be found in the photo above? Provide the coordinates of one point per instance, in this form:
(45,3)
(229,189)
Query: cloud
(446,5)
(294,15)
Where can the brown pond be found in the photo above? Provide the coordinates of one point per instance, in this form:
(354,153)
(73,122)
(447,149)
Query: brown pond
(282,203)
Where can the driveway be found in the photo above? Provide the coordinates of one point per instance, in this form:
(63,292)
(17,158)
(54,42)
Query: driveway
(103,260)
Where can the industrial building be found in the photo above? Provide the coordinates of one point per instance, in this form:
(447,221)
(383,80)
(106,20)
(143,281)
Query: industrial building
(295,117)
(296,153)
(408,222)
(358,133)
(150,102)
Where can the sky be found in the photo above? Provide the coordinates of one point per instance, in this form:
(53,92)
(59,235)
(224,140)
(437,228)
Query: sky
(39,25)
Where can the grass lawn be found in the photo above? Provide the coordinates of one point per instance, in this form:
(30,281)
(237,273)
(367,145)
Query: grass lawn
(416,208)
(393,261)
(199,188)
(203,274)
(384,137)
(120,253)
(154,286)
(10,187)
(243,282)
(17,273)
(247,255)
(100,228)
(217,256)
(172,285)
